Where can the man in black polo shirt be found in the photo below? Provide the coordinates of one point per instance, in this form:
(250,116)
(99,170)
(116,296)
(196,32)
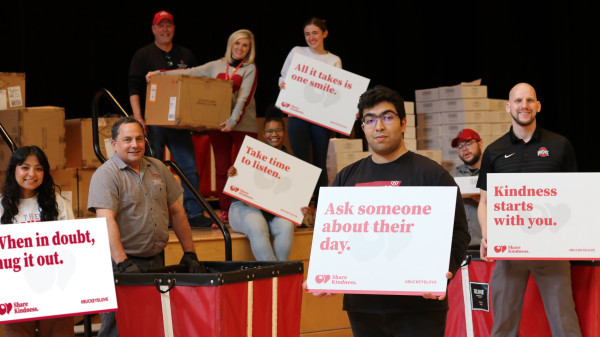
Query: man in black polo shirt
(527,148)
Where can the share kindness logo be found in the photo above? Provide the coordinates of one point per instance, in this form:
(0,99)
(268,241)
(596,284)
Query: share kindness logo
(285,104)
(510,249)
(233,188)
(19,308)
(335,279)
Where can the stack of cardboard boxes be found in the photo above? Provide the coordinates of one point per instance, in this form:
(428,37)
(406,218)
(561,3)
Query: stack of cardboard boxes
(442,112)
(47,128)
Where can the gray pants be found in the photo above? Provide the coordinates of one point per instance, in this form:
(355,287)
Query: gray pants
(553,279)
(108,328)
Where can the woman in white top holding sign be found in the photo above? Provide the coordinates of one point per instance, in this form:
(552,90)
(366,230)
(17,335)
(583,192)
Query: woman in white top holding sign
(29,195)
(303,134)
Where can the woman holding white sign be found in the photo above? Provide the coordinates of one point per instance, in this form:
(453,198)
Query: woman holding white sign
(259,225)
(302,134)
(237,66)
(29,195)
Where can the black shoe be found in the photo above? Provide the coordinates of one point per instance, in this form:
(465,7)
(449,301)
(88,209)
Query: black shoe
(200,221)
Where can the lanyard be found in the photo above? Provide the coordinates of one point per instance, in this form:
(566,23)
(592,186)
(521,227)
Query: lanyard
(236,69)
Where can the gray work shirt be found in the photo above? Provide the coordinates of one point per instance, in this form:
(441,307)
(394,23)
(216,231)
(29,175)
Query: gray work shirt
(140,202)
(470,206)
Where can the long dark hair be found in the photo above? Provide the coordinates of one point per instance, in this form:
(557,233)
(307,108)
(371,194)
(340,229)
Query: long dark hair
(11,191)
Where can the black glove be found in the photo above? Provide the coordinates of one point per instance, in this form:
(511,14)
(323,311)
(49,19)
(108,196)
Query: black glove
(127,266)
(190,260)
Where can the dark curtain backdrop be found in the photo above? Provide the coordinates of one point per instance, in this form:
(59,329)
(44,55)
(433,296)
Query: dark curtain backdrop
(69,51)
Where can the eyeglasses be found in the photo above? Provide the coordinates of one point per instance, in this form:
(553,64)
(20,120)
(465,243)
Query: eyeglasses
(169,60)
(466,144)
(278,130)
(387,117)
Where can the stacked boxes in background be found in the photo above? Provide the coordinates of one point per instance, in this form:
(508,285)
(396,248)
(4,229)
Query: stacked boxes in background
(82,160)
(341,153)
(442,112)
(410,134)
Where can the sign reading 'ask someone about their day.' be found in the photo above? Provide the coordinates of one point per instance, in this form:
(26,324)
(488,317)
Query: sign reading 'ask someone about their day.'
(321,94)
(53,269)
(543,216)
(382,240)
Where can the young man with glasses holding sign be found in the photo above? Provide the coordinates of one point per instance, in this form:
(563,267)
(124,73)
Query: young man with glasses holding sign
(470,147)
(391,164)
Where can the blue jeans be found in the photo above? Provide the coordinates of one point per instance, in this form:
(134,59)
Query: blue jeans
(179,142)
(249,220)
(303,135)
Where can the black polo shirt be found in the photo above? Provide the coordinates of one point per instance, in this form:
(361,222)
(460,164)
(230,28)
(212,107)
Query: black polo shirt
(546,151)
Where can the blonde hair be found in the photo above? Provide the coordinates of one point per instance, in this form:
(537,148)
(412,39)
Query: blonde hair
(241,34)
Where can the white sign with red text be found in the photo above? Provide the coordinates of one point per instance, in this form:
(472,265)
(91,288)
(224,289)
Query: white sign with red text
(56,268)
(272,180)
(321,94)
(382,240)
(543,216)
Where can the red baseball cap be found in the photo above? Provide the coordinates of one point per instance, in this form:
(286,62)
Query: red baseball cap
(158,17)
(465,134)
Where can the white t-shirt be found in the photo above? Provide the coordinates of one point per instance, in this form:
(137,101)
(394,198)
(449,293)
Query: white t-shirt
(29,210)
(328,58)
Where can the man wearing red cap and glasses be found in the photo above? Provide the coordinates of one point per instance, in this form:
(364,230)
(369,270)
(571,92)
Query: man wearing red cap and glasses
(470,147)
(164,54)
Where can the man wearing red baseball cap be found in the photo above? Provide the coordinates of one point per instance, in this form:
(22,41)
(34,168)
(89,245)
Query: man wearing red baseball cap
(470,148)
(162,53)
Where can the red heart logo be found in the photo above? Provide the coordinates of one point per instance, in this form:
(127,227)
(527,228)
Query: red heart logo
(5,308)
(285,105)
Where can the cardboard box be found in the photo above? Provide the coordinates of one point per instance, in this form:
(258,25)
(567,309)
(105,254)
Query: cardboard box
(462,117)
(435,155)
(66,179)
(337,161)
(451,130)
(409,108)
(497,104)
(449,165)
(462,104)
(498,116)
(428,107)
(411,144)
(84,177)
(410,132)
(429,119)
(411,120)
(449,153)
(339,145)
(12,90)
(427,95)
(40,126)
(463,91)
(499,129)
(81,145)
(429,143)
(188,101)
(433,131)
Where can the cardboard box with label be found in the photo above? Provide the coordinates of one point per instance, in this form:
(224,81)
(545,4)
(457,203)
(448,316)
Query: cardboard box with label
(12,90)
(40,126)
(81,146)
(187,101)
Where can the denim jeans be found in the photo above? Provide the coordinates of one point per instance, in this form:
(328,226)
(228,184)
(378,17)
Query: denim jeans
(179,142)
(249,220)
(303,135)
